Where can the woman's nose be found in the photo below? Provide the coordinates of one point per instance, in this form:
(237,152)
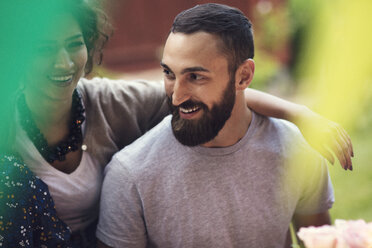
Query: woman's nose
(63,60)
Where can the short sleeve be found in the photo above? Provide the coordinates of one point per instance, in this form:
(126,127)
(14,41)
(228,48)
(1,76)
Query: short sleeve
(121,222)
(317,191)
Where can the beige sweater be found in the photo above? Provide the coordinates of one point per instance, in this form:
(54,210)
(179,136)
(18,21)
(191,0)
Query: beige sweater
(118,112)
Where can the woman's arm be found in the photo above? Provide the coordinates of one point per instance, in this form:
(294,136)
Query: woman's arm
(322,134)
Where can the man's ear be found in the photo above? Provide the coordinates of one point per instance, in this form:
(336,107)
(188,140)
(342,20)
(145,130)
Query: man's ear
(244,74)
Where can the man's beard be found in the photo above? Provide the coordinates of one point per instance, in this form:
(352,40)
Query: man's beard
(206,128)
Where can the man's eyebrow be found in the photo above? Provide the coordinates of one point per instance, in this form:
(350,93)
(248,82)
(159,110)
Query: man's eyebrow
(194,69)
(165,66)
(186,70)
(74,37)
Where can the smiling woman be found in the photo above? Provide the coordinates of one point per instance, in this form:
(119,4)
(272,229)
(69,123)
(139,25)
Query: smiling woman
(66,126)
(66,39)
(58,65)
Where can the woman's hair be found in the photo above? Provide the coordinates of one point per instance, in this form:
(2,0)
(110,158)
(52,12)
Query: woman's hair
(33,17)
(96,29)
(93,21)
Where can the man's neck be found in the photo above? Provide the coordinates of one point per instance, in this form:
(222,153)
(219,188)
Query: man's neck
(235,127)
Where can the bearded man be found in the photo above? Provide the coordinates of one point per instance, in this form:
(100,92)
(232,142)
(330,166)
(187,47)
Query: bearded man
(214,173)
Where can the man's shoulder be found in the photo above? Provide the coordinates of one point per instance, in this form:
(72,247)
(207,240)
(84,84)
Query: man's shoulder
(286,135)
(302,168)
(275,129)
(282,127)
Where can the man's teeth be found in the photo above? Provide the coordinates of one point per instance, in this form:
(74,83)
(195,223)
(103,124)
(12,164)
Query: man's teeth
(189,110)
(61,78)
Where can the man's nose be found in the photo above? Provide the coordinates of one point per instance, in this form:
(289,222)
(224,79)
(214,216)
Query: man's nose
(181,93)
(63,60)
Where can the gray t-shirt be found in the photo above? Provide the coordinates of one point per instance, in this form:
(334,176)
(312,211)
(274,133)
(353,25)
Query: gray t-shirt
(159,193)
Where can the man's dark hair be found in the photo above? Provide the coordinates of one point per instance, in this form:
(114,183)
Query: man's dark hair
(228,23)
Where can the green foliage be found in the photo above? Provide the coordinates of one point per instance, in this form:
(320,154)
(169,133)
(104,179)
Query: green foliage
(353,190)
(266,67)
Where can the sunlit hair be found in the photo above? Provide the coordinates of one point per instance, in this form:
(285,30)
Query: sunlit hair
(227,23)
(33,18)
(96,30)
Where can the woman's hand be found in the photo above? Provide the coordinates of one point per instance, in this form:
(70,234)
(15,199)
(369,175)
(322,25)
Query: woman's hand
(325,136)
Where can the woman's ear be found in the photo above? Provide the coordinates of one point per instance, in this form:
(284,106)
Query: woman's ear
(244,74)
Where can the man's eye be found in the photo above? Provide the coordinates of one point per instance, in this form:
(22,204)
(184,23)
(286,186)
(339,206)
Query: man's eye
(194,76)
(168,74)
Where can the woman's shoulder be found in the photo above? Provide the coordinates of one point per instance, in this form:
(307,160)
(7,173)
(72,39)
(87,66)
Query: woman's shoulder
(17,181)
(12,167)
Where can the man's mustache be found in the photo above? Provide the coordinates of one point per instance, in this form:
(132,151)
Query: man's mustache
(187,104)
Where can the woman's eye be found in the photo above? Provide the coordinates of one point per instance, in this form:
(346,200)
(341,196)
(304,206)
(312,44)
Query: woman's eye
(75,44)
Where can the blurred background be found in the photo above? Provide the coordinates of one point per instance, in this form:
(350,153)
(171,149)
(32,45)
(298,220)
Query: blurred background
(314,52)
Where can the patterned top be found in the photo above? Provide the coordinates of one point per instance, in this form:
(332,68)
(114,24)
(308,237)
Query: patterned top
(27,214)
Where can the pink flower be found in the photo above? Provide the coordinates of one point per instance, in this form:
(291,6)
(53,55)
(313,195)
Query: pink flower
(356,233)
(344,234)
(320,237)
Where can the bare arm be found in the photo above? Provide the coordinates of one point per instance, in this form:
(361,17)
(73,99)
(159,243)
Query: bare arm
(322,134)
(311,220)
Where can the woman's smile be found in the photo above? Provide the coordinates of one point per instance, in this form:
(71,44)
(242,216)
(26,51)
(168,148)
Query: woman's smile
(62,80)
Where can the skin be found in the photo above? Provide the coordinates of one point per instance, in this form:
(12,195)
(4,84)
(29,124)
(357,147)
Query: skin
(191,74)
(61,53)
